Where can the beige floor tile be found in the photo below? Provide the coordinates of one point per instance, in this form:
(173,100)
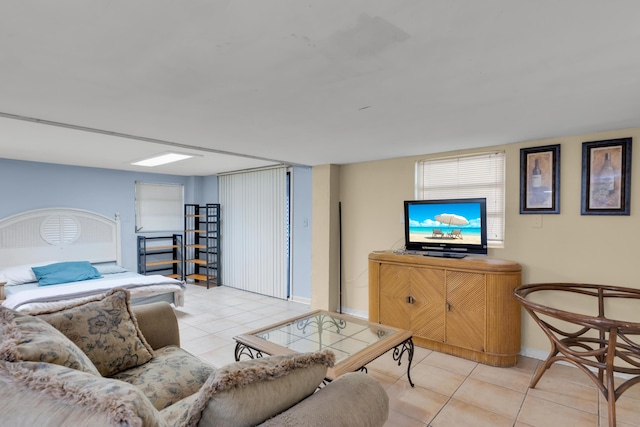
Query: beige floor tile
(633,392)
(459,414)
(249,317)
(195,319)
(515,379)
(415,402)
(436,379)
(567,393)
(527,364)
(396,419)
(220,356)
(217,325)
(482,395)
(627,410)
(569,373)
(385,380)
(450,363)
(543,413)
(204,344)
(188,333)
(491,397)
(233,332)
(388,366)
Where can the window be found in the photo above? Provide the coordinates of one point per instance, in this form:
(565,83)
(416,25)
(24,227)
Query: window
(158,207)
(479,175)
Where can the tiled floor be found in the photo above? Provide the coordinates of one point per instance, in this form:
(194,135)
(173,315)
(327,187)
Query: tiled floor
(448,391)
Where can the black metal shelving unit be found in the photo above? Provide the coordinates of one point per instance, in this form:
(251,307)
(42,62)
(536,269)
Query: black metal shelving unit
(161,255)
(202,243)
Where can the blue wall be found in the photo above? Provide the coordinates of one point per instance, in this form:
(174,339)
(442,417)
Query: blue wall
(31,185)
(301,233)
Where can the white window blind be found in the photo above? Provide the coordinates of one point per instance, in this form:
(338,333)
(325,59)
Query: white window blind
(254,249)
(158,207)
(480,175)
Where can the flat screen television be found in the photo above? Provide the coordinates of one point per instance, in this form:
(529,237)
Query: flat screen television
(448,228)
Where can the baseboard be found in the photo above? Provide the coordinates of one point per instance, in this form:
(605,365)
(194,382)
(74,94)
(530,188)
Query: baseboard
(542,355)
(301,300)
(356,313)
(533,353)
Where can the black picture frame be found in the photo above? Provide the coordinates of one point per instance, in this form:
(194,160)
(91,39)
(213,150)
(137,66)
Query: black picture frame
(540,180)
(606,177)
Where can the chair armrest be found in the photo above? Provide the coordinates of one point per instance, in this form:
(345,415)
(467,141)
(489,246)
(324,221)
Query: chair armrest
(353,399)
(158,323)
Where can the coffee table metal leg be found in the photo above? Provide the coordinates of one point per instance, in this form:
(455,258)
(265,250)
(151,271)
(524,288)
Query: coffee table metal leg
(242,349)
(399,350)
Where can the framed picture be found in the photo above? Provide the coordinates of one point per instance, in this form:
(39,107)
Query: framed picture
(606,177)
(540,180)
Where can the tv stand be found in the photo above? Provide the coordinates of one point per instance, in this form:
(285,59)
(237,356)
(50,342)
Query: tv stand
(445,254)
(464,307)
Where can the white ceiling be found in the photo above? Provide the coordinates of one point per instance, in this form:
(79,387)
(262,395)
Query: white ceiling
(307,82)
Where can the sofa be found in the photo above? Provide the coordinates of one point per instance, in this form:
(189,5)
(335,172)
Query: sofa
(103,362)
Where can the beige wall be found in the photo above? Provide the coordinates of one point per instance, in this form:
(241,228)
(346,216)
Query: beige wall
(567,247)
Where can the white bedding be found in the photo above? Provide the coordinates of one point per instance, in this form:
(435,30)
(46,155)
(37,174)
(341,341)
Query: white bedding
(30,297)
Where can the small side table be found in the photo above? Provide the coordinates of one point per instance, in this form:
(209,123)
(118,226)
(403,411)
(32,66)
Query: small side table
(2,297)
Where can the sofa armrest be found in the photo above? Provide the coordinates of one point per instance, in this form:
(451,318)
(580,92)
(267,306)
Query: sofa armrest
(158,323)
(353,399)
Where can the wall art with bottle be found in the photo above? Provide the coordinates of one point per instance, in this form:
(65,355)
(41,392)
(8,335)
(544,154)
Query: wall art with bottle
(606,177)
(540,180)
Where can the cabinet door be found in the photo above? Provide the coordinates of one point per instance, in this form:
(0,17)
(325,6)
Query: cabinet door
(428,308)
(394,289)
(465,318)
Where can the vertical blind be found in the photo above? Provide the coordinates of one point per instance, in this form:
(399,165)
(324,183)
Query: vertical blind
(254,231)
(480,175)
(158,207)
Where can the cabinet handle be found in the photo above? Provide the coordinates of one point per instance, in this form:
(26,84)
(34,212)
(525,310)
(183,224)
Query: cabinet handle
(448,307)
(410,300)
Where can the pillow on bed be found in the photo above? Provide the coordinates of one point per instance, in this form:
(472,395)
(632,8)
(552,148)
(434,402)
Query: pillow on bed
(65,272)
(105,329)
(20,274)
(109,268)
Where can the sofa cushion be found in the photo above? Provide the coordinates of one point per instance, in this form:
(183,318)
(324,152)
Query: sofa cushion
(44,394)
(28,338)
(105,329)
(249,392)
(176,414)
(169,377)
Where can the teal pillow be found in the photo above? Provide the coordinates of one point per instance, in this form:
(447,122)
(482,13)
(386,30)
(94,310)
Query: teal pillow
(65,272)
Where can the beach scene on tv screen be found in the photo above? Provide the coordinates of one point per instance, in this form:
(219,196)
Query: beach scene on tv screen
(455,223)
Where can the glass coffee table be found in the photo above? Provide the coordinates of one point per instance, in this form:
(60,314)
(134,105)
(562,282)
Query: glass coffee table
(355,342)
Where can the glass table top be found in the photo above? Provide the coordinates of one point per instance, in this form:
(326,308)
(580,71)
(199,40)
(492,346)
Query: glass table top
(323,330)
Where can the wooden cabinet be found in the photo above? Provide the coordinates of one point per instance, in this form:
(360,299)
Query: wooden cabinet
(160,255)
(464,307)
(202,243)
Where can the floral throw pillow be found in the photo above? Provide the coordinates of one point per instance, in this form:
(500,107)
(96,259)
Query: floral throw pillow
(27,338)
(105,329)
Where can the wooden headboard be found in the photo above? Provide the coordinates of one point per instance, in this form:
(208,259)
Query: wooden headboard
(59,234)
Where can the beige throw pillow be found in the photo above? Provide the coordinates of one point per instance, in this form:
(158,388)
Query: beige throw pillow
(28,338)
(37,394)
(249,392)
(105,329)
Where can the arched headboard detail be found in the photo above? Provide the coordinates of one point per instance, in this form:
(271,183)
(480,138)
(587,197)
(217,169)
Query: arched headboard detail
(59,234)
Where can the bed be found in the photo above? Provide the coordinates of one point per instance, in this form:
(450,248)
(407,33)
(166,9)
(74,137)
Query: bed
(44,240)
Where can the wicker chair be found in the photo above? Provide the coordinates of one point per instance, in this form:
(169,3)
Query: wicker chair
(598,345)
